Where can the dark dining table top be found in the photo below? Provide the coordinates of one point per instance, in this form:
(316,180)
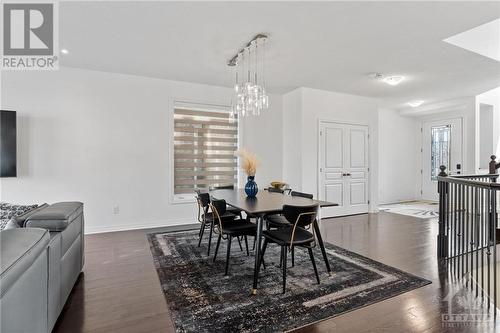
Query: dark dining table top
(265,201)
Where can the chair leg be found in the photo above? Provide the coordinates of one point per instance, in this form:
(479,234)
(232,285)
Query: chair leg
(246,245)
(228,253)
(281,259)
(293,256)
(311,255)
(210,237)
(264,247)
(202,231)
(217,247)
(283,251)
(253,247)
(239,242)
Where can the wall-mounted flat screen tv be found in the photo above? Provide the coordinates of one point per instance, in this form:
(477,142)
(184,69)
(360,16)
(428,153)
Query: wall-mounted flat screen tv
(8,155)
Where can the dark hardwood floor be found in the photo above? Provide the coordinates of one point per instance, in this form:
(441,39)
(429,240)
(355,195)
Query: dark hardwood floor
(120,291)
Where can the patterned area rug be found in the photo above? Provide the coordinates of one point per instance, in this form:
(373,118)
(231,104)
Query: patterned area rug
(420,209)
(202,299)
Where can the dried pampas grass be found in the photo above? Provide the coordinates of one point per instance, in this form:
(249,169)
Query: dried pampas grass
(249,161)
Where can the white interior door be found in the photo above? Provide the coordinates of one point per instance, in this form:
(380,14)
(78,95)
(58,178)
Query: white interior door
(441,145)
(343,168)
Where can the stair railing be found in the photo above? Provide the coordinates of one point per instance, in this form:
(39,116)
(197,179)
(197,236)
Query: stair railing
(468,229)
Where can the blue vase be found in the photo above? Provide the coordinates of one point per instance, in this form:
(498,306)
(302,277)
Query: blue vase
(251,188)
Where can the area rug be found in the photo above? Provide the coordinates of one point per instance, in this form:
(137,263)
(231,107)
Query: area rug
(202,299)
(420,209)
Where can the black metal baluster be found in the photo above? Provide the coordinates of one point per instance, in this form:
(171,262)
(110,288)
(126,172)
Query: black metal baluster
(451,230)
(466,232)
(488,240)
(447,219)
(454,229)
(482,221)
(471,234)
(457,212)
(441,236)
(462,232)
(494,216)
(476,224)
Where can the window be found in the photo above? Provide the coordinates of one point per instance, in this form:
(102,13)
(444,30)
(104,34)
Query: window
(440,149)
(205,140)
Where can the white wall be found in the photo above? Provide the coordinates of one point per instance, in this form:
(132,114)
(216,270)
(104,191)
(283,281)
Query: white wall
(491,98)
(292,138)
(264,136)
(399,148)
(103,139)
(326,105)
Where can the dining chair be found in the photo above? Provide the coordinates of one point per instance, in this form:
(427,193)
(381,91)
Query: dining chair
(278,221)
(230,209)
(296,234)
(206,218)
(227,228)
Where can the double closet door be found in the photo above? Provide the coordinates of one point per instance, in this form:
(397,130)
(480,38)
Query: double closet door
(343,168)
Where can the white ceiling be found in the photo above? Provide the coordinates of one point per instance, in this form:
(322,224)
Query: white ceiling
(323,45)
(484,39)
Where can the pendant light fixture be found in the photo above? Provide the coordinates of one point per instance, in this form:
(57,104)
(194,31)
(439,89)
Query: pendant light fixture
(249,95)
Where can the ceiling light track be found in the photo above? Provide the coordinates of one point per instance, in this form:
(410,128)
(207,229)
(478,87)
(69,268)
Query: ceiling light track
(233,61)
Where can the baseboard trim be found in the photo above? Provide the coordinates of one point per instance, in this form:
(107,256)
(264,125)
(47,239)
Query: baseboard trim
(399,202)
(183,223)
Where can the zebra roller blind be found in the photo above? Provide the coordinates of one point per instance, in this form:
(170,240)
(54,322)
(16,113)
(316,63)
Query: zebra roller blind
(204,147)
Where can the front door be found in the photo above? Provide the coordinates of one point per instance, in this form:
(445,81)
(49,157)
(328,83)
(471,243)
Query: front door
(343,168)
(441,145)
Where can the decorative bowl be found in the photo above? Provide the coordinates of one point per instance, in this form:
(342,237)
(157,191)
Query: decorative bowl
(278,185)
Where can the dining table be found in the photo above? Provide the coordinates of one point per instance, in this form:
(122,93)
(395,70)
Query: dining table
(263,204)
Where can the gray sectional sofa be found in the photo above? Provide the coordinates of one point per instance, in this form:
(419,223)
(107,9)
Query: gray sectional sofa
(40,261)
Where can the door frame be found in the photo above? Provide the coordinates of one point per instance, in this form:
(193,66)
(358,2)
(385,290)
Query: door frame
(463,121)
(318,153)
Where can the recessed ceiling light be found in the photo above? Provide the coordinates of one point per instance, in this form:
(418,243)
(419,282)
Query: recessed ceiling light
(415,104)
(64,51)
(393,80)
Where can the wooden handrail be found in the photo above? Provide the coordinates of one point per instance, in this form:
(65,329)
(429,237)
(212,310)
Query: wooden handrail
(466,179)
(452,179)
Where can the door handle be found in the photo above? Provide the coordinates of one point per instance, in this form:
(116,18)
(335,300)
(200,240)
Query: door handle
(345,174)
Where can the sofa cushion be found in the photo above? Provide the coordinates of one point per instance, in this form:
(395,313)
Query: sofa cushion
(18,250)
(55,217)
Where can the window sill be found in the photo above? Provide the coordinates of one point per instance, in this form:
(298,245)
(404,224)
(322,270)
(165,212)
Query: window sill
(182,199)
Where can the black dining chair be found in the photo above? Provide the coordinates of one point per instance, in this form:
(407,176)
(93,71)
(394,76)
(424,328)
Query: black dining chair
(206,218)
(296,234)
(278,221)
(230,209)
(227,228)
